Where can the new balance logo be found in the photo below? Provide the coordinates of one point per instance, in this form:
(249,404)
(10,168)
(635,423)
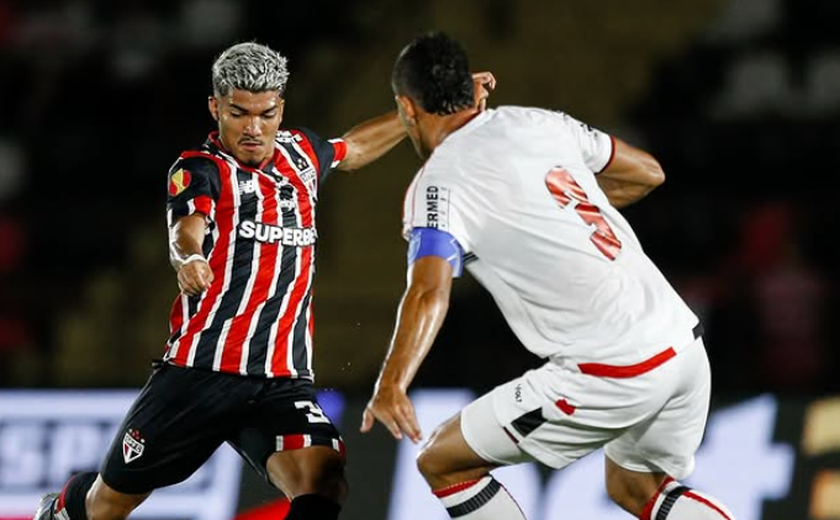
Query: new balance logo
(247,187)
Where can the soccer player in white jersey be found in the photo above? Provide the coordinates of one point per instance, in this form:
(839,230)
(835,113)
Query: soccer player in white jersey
(527,200)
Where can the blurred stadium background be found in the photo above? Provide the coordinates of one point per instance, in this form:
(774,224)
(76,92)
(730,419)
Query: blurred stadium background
(739,99)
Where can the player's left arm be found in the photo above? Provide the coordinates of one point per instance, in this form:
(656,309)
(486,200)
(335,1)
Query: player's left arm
(370,140)
(434,258)
(630,176)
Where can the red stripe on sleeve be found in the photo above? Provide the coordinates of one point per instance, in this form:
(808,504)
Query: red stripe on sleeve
(204,204)
(340,149)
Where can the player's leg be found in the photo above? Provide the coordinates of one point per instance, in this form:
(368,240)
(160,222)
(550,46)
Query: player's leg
(643,463)
(290,441)
(313,478)
(170,431)
(636,493)
(86,496)
(631,490)
(460,478)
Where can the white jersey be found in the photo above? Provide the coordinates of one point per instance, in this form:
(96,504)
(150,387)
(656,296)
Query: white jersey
(516,187)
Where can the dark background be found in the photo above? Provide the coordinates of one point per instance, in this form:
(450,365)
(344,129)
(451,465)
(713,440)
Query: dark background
(737,98)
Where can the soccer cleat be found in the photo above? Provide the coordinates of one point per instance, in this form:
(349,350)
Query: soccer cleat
(46,507)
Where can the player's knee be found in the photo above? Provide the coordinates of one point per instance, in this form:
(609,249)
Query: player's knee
(430,463)
(618,493)
(335,487)
(329,481)
(631,492)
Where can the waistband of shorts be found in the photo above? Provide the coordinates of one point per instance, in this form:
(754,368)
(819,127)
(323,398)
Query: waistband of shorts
(643,367)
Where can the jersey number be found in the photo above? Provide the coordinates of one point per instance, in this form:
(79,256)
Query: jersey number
(315,415)
(566,190)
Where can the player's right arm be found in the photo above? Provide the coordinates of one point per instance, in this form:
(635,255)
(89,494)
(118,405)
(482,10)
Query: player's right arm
(185,254)
(626,174)
(434,258)
(630,176)
(193,191)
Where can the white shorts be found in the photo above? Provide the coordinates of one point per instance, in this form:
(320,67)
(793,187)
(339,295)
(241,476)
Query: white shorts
(652,422)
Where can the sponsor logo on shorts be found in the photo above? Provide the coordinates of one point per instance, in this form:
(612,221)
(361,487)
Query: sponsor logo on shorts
(517,393)
(133,445)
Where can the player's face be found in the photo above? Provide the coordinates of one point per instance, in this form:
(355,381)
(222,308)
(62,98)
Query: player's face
(248,122)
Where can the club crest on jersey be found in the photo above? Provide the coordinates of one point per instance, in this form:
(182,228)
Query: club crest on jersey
(133,445)
(179,181)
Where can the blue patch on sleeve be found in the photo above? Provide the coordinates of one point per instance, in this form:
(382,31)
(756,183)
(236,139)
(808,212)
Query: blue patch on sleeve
(434,242)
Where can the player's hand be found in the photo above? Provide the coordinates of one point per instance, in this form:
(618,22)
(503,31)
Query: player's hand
(391,406)
(484,83)
(195,277)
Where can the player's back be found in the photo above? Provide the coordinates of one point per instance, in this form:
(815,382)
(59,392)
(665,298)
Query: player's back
(516,187)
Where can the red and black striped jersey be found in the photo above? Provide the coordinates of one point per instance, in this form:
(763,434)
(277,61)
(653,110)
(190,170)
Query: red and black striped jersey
(256,317)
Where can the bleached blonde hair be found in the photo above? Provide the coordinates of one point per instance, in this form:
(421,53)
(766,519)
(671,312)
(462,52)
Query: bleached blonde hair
(251,67)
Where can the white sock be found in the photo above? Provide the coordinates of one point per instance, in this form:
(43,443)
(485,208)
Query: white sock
(483,499)
(674,501)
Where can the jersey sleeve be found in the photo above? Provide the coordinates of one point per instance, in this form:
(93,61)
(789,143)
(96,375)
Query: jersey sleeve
(194,187)
(424,242)
(329,153)
(433,201)
(597,147)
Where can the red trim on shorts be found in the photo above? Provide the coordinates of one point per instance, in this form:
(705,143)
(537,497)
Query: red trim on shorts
(514,439)
(454,488)
(293,442)
(617,371)
(706,502)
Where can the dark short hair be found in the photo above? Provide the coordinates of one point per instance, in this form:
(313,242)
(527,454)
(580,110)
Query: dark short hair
(434,71)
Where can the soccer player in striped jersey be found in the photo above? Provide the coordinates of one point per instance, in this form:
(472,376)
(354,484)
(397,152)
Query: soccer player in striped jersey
(237,368)
(526,199)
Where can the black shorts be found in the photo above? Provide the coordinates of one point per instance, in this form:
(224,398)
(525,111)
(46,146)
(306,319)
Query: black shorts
(183,415)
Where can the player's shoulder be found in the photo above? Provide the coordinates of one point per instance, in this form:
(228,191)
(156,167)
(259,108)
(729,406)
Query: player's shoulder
(296,134)
(198,161)
(517,113)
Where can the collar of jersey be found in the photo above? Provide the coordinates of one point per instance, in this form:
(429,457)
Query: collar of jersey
(214,139)
(473,123)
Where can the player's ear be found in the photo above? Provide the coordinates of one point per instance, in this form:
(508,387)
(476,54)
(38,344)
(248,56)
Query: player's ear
(407,108)
(213,106)
(281,104)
